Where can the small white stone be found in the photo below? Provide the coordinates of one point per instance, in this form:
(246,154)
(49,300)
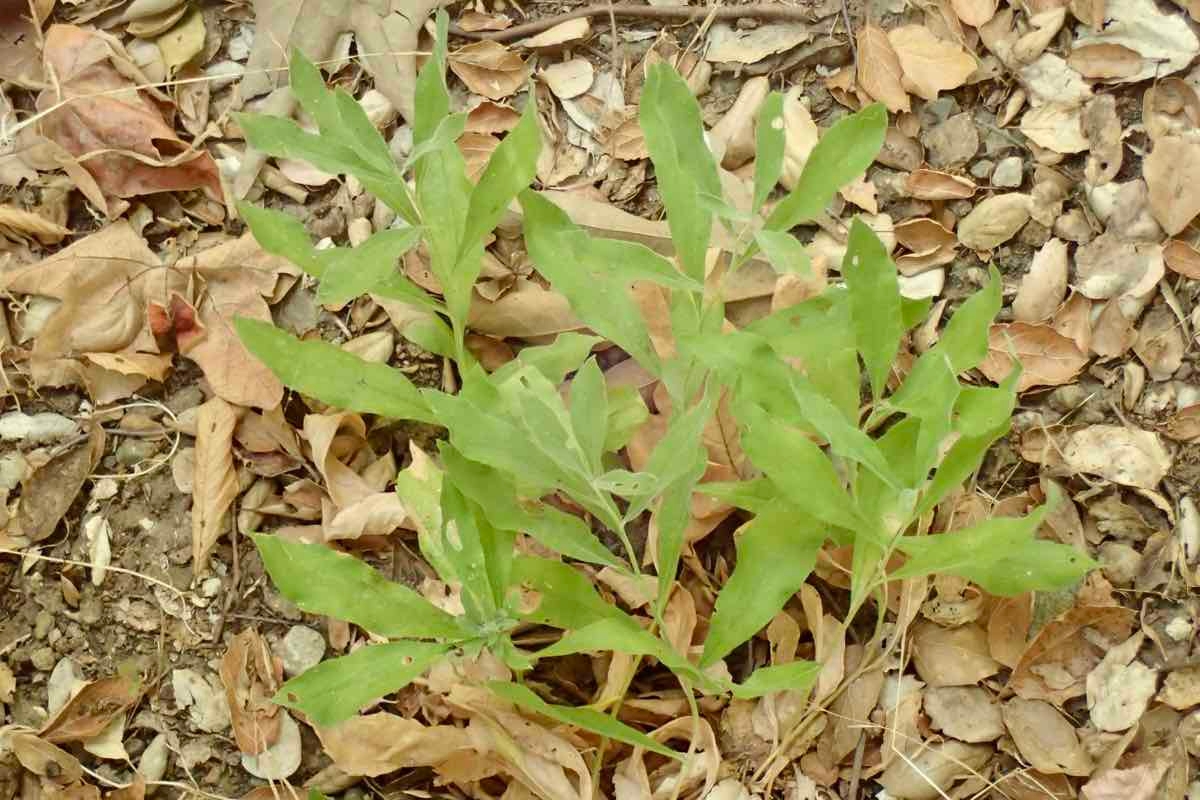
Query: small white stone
(204,700)
(153,763)
(281,759)
(303,649)
(64,681)
(1009,173)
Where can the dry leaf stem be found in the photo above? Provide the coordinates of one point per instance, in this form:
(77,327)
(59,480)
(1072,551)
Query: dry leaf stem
(765,12)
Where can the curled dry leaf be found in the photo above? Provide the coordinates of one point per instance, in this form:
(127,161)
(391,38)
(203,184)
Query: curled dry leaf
(570,31)
(727,44)
(1044,287)
(1164,39)
(879,72)
(130,149)
(1046,740)
(214,480)
(18,224)
(994,221)
(951,656)
(41,757)
(48,493)
(251,677)
(928,184)
(1120,688)
(1172,172)
(930,64)
(1182,258)
(733,137)
(933,771)
(1105,61)
(90,710)
(489,68)
(1047,357)
(375,744)
(1055,665)
(1127,456)
(800,136)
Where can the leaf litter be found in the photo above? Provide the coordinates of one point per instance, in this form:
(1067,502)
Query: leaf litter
(1042,694)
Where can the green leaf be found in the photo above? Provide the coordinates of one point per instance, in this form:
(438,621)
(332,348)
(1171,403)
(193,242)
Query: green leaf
(844,152)
(798,467)
(624,636)
(589,412)
(566,598)
(1001,555)
(509,171)
(965,339)
(332,375)
(753,495)
(431,98)
(480,555)
(323,581)
(626,413)
(776,551)
(874,302)
(283,138)
(555,360)
(282,235)
(353,271)
(784,251)
(769,140)
(683,164)
(496,494)
(796,676)
(334,691)
(845,439)
(587,718)
(676,456)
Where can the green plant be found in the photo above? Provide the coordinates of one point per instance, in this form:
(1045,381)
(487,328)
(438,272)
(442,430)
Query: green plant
(828,466)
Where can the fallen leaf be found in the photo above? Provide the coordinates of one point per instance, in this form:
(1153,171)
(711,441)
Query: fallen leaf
(1104,61)
(1181,689)
(1046,740)
(214,482)
(733,137)
(489,68)
(1184,425)
(1109,267)
(951,656)
(568,79)
(1120,688)
(1183,258)
(1126,456)
(727,44)
(41,757)
(48,493)
(1044,286)
(569,31)
(800,136)
(116,132)
(928,184)
(18,224)
(1135,783)
(994,221)
(879,72)
(1056,126)
(472,21)
(1008,628)
(251,676)
(1055,665)
(967,713)
(1049,80)
(90,710)
(477,149)
(490,117)
(1047,357)
(1164,40)
(183,42)
(931,773)
(930,64)
(1172,172)
(974,12)
(1160,344)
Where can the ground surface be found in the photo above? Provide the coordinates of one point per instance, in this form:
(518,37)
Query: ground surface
(1059,143)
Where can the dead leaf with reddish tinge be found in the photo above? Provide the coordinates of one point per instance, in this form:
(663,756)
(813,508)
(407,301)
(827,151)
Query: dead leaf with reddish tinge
(48,493)
(930,64)
(116,131)
(251,677)
(90,710)
(1046,740)
(1172,172)
(1055,665)
(215,482)
(1184,425)
(1183,258)
(489,68)
(1047,357)
(928,184)
(879,72)
(375,744)
(1105,61)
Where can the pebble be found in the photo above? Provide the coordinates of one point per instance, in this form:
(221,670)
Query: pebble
(42,659)
(982,169)
(153,763)
(303,649)
(281,759)
(134,451)
(42,624)
(61,684)
(952,143)
(1009,174)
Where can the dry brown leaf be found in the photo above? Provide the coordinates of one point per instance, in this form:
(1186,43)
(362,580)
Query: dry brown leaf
(727,43)
(1046,740)
(215,482)
(130,149)
(879,72)
(800,136)
(251,677)
(951,656)
(476,149)
(562,33)
(1160,344)
(18,224)
(1172,172)
(1105,61)
(1183,258)
(733,137)
(376,744)
(489,68)
(1109,267)
(471,20)
(974,12)
(48,493)
(994,221)
(569,79)
(928,184)
(1055,665)
(41,757)
(967,713)
(1181,689)
(490,117)
(1120,688)
(1055,126)
(1163,38)
(90,710)
(1044,287)
(853,707)
(1102,127)
(1047,357)
(1008,628)
(930,64)
(525,311)
(1184,425)
(932,772)
(1136,783)
(1126,456)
